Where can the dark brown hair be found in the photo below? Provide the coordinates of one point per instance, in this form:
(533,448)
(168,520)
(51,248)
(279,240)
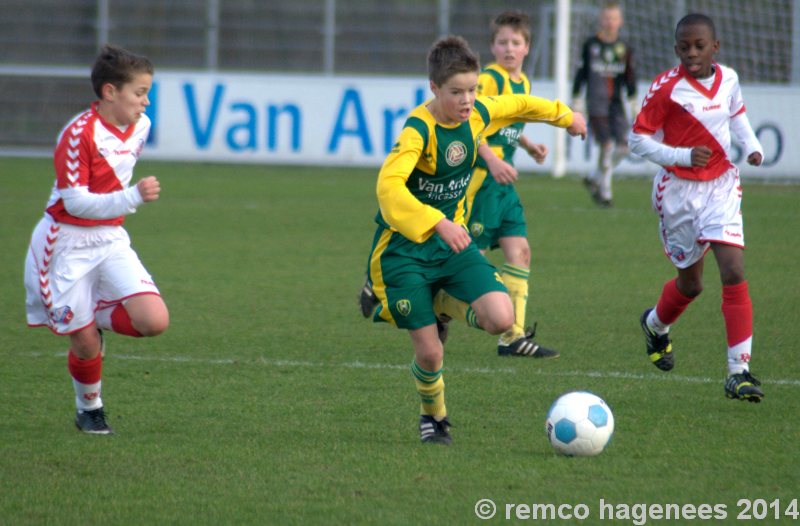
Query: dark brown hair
(450,56)
(516,20)
(117,66)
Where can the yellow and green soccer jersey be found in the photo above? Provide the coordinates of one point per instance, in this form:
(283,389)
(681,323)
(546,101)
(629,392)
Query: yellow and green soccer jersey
(494,210)
(423,180)
(425,176)
(494,80)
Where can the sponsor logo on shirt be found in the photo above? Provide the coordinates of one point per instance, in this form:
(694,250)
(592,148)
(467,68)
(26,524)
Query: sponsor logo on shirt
(440,191)
(105,152)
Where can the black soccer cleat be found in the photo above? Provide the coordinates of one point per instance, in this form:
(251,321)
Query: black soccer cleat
(659,346)
(743,386)
(592,187)
(526,346)
(367,300)
(594,192)
(93,422)
(432,431)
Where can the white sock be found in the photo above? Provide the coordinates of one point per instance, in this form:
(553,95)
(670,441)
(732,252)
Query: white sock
(658,326)
(605,184)
(605,168)
(87,396)
(739,356)
(618,155)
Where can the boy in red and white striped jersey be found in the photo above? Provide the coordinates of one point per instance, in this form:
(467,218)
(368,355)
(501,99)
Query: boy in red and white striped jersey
(81,274)
(685,125)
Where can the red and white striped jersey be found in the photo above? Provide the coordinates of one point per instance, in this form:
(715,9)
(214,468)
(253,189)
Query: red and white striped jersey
(680,112)
(94,161)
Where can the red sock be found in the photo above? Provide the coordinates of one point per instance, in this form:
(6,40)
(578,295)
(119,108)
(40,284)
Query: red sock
(121,322)
(85,371)
(671,303)
(737,309)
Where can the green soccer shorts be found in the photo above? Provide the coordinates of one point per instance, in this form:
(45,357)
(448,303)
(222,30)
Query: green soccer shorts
(406,276)
(496,212)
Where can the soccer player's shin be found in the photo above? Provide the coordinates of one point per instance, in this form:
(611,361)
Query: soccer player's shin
(430,386)
(655,324)
(670,306)
(737,309)
(515,279)
(86,376)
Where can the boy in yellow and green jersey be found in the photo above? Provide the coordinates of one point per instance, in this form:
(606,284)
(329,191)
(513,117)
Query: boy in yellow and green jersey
(421,247)
(495,214)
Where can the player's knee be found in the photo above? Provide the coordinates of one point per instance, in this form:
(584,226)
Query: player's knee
(428,352)
(732,278)
(154,324)
(85,344)
(499,321)
(690,288)
(732,274)
(522,256)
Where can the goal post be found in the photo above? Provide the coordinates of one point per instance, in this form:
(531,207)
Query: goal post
(562,74)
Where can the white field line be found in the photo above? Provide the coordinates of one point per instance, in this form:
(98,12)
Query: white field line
(273,362)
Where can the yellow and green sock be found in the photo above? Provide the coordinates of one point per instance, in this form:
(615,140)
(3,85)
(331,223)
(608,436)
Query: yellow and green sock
(430,386)
(444,303)
(515,278)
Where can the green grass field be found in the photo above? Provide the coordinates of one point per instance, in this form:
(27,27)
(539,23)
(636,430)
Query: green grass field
(271,401)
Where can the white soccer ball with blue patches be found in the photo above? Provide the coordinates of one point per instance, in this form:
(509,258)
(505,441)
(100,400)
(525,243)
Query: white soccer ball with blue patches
(579,424)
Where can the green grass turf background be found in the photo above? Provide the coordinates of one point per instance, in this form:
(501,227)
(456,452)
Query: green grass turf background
(271,401)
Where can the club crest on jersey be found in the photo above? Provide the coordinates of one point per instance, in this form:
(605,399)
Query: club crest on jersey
(688,107)
(456,153)
(677,254)
(476,229)
(62,315)
(403,307)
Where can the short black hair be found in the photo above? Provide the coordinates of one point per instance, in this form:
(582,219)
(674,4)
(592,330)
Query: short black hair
(696,19)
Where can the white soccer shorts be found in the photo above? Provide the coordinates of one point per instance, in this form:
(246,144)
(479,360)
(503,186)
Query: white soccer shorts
(71,272)
(694,214)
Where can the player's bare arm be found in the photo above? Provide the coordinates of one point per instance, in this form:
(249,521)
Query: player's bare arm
(454,235)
